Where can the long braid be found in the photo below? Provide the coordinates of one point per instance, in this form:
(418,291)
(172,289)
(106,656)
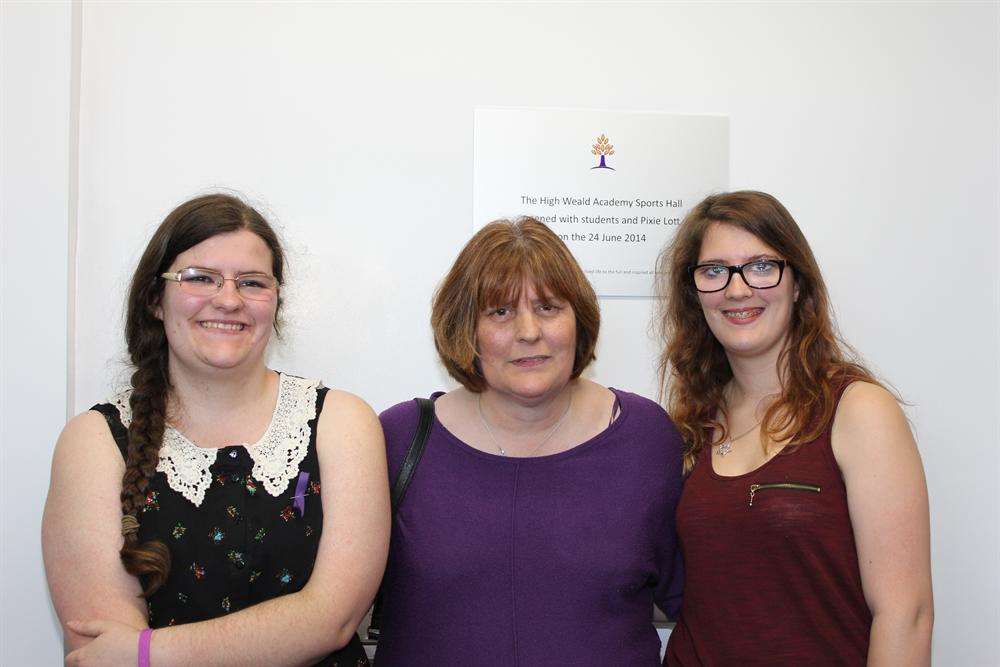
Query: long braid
(150,383)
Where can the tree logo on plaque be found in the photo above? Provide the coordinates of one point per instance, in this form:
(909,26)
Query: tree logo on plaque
(603,149)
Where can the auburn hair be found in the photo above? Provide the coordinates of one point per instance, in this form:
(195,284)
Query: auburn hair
(186,226)
(815,362)
(490,271)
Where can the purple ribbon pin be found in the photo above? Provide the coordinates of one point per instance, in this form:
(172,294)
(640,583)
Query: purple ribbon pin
(299,499)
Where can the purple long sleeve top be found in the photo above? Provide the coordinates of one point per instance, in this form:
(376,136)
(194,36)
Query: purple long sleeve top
(533,561)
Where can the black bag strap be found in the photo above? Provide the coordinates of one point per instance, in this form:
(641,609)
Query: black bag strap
(413,454)
(399,486)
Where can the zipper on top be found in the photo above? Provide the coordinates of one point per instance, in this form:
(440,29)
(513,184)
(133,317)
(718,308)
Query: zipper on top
(754,488)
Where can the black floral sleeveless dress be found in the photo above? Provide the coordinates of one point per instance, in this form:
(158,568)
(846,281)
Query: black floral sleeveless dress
(242,522)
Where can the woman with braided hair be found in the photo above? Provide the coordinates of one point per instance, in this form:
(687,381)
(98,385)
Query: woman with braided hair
(159,513)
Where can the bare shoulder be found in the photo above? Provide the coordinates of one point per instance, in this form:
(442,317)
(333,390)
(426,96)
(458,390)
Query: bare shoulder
(86,444)
(866,405)
(344,404)
(86,462)
(869,422)
(86,424)
(347,418)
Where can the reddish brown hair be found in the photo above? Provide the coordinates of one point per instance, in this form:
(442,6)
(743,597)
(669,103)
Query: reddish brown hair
(693,367)
(490,271)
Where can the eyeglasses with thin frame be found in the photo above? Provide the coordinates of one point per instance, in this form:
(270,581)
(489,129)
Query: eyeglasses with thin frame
(206,282)
(758,274)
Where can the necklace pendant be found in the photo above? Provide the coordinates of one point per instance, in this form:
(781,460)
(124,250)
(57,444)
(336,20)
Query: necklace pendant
(725,447)
(502,452)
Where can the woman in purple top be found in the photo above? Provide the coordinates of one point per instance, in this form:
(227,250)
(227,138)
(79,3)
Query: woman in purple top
(538,527)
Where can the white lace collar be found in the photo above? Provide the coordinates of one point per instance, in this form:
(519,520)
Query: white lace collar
(276,456)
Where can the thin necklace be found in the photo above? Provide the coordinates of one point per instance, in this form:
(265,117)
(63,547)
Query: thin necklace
(727,444)
(536,448)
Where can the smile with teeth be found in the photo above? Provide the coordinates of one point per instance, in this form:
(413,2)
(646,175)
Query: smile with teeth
(225,326)
(744,315)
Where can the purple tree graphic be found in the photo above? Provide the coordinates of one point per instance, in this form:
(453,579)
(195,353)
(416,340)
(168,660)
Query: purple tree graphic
(602,148)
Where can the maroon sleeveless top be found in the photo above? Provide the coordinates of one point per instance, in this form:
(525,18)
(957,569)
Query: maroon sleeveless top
(772,572)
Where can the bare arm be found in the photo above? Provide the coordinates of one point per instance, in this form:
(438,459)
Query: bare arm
(81,530)
(887,497)
(302,627)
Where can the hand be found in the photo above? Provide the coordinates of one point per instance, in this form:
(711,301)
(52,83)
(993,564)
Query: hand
(114,644)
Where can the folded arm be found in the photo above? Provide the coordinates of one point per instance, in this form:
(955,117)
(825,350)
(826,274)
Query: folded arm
(81,531)
(302,627)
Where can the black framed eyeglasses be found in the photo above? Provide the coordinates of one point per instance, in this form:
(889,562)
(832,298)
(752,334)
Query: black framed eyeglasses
(758,274)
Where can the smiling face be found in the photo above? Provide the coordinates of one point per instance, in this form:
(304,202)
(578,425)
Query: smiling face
(226,330)
(526,349)
(747,322)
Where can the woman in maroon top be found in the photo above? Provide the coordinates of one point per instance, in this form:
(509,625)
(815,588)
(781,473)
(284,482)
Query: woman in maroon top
(804,520)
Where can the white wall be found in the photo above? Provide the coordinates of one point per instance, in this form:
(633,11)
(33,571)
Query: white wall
(35,69)
(351,124)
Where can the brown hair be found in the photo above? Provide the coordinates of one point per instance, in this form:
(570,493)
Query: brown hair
(694,370)
(491,270)
(186,226)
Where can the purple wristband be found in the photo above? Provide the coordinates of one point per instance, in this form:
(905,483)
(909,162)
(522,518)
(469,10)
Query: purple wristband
(144,637)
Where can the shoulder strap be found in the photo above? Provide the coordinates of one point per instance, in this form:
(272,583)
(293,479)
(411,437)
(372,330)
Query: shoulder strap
(399,486)
(414,453)
(118,430)
(320,397)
